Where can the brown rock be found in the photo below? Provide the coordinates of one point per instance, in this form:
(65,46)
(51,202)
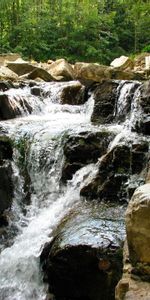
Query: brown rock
(122,62)
(73,94)
(138,225)
(61,68)
(40,73)
(20,67)
(7,74)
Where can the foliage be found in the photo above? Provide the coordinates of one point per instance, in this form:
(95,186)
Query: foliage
(86,30)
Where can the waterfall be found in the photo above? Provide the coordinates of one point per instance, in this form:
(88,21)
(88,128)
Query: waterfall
(43,129)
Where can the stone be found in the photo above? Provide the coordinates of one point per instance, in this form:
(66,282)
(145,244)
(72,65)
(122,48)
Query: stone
(61,68)
(90,72)
(20,67)
(104,95)
(122,62)
(40,73)
(7,74)
(73,94)
(84,260)
(83,149)
(6,186)
(5,85)
(8,57)
(138,226)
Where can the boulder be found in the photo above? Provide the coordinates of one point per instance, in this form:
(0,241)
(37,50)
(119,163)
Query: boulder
(83,149)
(138,229)
(6,186)
(122,62)
(10,109)
(7,74)
(73,94)
(104,94)
(142,124)
(40,73)
(113,181)
(139,61)
(20,67)
(61,68)
(5,85)
(90,72)
(8,57)
(84,260)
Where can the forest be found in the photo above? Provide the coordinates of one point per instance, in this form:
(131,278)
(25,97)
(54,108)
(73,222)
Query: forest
(78,30)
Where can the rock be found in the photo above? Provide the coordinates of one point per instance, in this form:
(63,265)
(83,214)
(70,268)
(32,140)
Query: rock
(8,57)
(20,67)
(10,109)
(142,124)
(40,73)
(122,62)
(130,287)
(6,150)
(84,260)
(83,149)
(73,94)
(7,74)
(36,91)
(113,182)
(139,61)
(89,72)
(6,187)
(138,228)
(61,68)
(5,85)
(105,99)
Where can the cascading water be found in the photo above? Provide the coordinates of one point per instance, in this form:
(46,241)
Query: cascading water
(44,133)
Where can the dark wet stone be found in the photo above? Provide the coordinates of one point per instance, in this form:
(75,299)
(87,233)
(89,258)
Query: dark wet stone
(84,260)
(6,186)
(36,91)
(83,149)
(112,182)
(105,98)
(6,150)
(5,85)
(73,94)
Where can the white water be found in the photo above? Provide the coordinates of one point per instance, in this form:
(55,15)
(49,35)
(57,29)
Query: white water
(45,132)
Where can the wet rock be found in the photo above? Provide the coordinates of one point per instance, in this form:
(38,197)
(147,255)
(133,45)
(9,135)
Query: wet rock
(83,149)
(143,122)
(6,150)
(10,109)
(5,85)
(6,186)
(105,98)
(73,94)
(36,91)
(61,68)
(84,260)
(113,181)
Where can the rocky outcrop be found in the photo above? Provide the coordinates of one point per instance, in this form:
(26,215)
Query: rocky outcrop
(5,85)
(61,68)
(83,261)
(90,72)
(83,149)
(8,57)
(113,180)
